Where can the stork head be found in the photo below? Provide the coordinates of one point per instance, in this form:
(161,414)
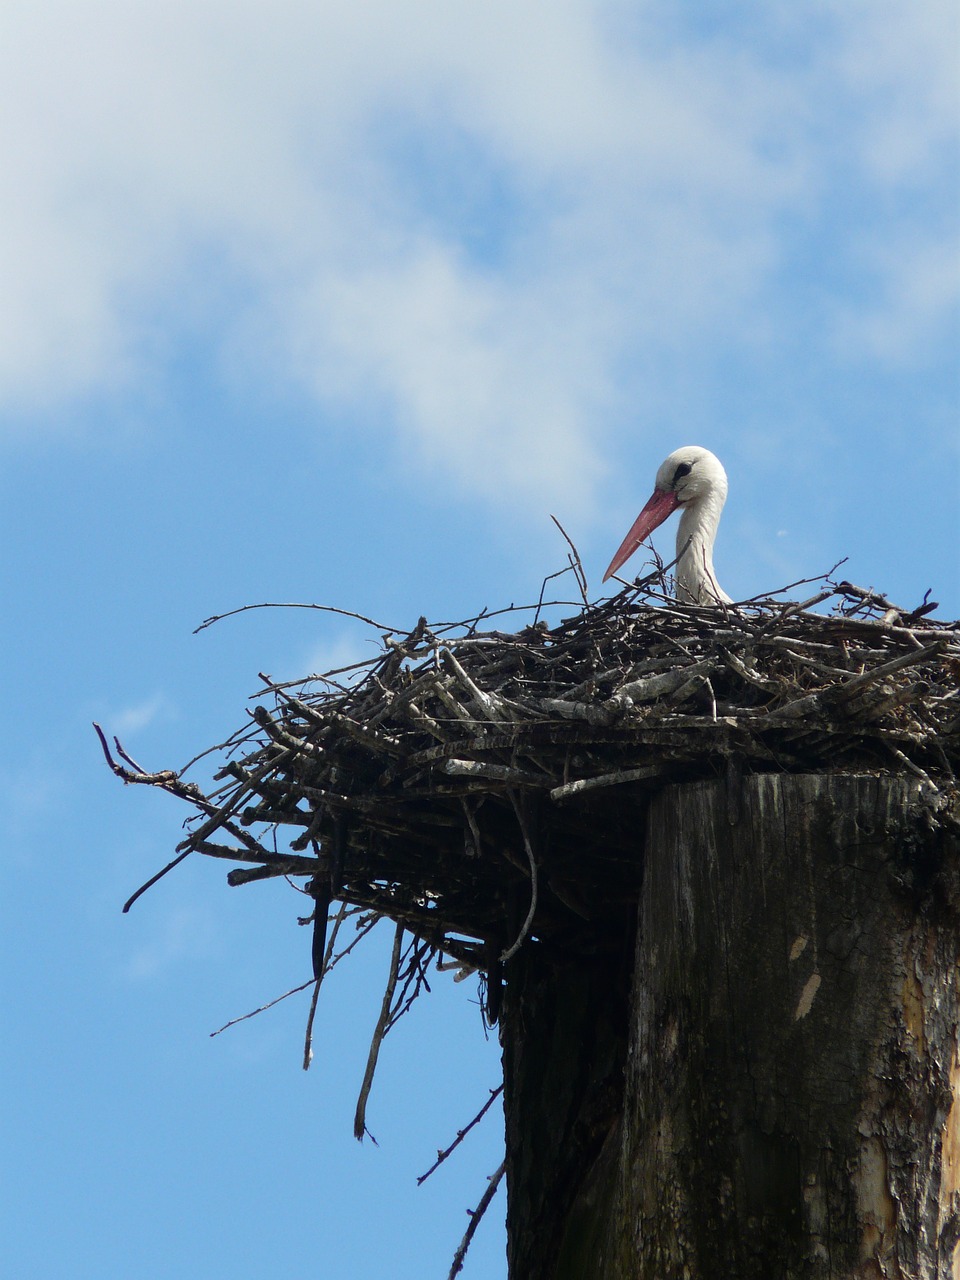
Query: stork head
(692,473)
(689,476)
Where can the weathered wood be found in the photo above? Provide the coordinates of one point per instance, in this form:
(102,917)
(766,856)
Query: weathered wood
(564,1030)
(784,1103)
(626,689)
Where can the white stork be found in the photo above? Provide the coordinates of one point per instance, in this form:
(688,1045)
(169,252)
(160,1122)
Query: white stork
(694,479)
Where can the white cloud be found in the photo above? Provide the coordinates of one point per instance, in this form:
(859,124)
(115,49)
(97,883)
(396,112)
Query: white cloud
(919,295)
(898,63)
(460,220)
(130,720)
(338,653)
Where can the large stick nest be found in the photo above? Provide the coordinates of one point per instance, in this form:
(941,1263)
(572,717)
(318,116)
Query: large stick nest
(481,786)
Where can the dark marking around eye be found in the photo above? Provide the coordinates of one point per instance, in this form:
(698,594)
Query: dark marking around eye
(684,469)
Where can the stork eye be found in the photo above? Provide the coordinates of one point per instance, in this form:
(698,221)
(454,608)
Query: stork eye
(684,469)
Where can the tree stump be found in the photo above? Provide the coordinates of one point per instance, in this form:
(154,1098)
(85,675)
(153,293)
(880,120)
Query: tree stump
(773,1094)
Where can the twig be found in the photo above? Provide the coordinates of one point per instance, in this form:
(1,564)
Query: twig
(263,1008)
(365,926)
(613,779)
(659,686)
(323,608)
(926,606)
(543,587)
(660,570)
(285,864)
(123,754)
(475,1217)
(321,967)
(308,1031)
(868,597)
(525,928)
(576,564)
(791,609)
(911,766)
(166,778)
(849,687)
(380,1030)
(589,712)
(461,1134)
(484,701)
(153,879)
(494,772)
(800,582)
(471,817)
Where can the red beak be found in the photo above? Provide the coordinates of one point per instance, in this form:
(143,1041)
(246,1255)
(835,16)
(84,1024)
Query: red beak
(661,504)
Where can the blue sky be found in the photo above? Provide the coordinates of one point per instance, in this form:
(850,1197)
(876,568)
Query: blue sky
(337,304)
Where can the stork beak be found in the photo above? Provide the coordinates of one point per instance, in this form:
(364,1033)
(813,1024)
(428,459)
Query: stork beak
(661,504)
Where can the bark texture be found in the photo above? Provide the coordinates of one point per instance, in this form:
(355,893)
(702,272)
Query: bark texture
(775,1094)
(564,1029)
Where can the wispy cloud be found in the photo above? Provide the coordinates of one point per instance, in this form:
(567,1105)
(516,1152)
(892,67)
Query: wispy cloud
(914,303)
(896,65)
(131,719)
(338,653)
(464,222)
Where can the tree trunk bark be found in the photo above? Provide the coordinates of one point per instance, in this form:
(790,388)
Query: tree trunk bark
(774,1094)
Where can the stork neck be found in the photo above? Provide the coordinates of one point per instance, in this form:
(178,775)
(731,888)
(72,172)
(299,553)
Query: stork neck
(696,581)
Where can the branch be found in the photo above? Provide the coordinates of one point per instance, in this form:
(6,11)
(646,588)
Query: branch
(525,929)
(800,582)
(166,778)
(575,562)
(153,879)
(461,1134)
(643,774)
(263,1008)
(323,608)
(475,1217)
(493,772)
(379,1031)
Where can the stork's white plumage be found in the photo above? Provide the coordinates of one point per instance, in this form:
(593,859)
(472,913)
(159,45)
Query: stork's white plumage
(694,479)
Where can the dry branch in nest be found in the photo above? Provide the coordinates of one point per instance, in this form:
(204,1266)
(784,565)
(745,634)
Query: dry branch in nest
(479,787)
